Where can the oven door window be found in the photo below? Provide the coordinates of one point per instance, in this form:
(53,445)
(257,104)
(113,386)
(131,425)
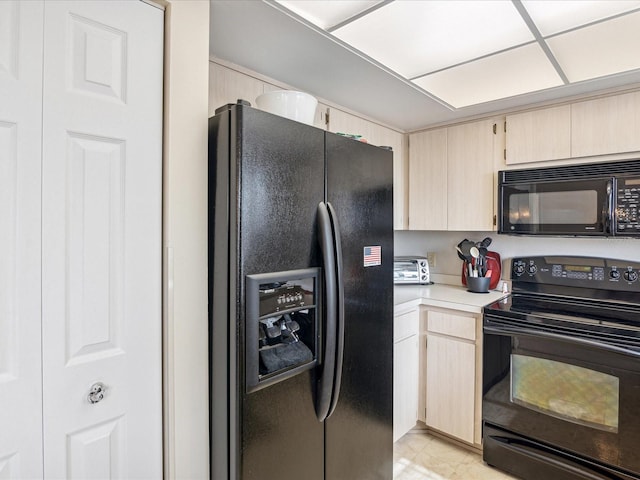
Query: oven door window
(565,391)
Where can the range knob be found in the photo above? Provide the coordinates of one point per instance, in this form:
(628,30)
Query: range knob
(614,274)
(532,269)
(630,276)
(518,269)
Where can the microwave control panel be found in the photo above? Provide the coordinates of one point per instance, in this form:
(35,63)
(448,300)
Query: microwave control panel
(609,274)
(627,206)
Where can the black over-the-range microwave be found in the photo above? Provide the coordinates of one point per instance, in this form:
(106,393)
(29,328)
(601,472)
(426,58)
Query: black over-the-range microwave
(591,199)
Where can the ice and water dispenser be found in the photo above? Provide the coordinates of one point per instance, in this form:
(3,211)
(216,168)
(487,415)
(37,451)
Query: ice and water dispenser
(282,325)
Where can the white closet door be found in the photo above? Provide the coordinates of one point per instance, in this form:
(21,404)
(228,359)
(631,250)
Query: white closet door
(101,239)
(20,142)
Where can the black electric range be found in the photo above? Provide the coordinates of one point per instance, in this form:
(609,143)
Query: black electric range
(561,370)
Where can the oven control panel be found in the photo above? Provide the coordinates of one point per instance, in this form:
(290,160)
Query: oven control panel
(609,274)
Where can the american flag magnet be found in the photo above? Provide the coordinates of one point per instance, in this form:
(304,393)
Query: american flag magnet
(372,256)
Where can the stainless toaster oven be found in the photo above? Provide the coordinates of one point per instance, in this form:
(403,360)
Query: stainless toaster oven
(411,270)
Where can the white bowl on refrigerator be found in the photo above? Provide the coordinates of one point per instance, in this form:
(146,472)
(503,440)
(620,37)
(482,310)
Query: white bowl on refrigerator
(297,106)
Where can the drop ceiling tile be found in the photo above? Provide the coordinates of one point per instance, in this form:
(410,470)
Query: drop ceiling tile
(327,13)
(413,38)
(598,50)
(560,15)
(522,70)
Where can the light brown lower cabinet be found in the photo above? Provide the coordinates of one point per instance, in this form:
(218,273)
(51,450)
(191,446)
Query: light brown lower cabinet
(453,369)
(405,372)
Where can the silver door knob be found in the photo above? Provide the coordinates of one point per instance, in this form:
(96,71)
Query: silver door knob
(96,392)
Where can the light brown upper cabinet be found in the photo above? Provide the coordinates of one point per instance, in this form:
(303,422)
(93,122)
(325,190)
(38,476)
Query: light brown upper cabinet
(606,125)
(451,178)
(602,126)
(470,176)
(539,135)
(228,86)
(428,180)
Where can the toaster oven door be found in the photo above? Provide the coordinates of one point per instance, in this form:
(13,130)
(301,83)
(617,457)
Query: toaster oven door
(406,272)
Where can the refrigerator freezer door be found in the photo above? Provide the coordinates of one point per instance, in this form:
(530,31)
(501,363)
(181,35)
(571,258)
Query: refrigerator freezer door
(273,171)
(280,178)
(359,433)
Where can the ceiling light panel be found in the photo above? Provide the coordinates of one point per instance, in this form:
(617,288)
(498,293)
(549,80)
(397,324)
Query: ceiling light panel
(325,14)
(522,70)
(560,15)
(413,38)
(599,50)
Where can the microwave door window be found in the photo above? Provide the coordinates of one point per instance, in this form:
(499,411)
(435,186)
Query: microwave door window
(520,209)
(553,211)
(577,208)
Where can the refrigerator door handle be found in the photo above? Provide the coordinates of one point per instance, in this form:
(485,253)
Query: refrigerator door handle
(326,381)
(337,378)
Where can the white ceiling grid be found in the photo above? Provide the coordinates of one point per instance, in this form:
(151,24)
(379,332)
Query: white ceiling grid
(467,52)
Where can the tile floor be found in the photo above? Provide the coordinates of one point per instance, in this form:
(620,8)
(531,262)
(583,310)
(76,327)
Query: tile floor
(420,456)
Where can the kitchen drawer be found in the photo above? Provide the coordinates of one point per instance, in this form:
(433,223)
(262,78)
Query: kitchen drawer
(405,324)
(451,324)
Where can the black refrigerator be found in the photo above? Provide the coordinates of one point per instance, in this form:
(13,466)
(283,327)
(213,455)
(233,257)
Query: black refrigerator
(300,301)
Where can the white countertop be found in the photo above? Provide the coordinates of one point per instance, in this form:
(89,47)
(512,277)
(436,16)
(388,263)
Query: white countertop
(455,297)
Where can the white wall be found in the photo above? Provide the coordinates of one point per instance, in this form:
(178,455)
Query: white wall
(185,349)
(447,261)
